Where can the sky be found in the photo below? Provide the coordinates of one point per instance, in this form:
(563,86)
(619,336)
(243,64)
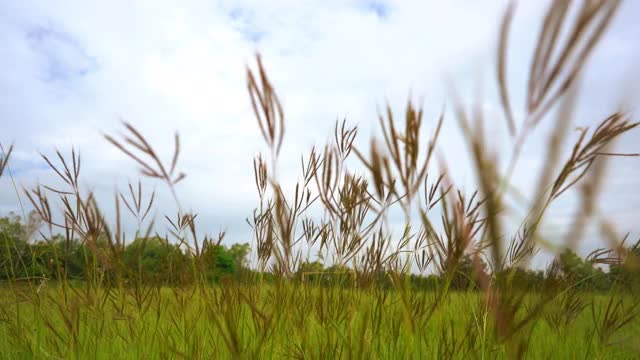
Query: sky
(72,71)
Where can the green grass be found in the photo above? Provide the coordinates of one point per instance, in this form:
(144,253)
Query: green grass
(287,321)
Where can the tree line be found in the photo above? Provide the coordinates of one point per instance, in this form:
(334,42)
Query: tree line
(153,259)
(149,259)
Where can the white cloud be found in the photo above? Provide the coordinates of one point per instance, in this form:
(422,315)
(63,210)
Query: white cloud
(167,66)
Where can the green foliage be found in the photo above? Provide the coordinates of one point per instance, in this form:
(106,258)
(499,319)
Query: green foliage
(222,262)
(626,273)
(156,260)
(310,271)
(147,260)
(581,274)
(11,226)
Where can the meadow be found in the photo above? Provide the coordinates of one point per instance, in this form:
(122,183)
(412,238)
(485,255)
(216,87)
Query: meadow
(319,323)
(454,282)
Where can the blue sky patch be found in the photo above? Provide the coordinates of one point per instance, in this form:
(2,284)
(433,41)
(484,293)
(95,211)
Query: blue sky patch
(63,58)
(244,22)
(379,8)
(19,167)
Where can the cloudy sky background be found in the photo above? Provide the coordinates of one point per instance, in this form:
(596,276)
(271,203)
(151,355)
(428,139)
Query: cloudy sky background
(72,70)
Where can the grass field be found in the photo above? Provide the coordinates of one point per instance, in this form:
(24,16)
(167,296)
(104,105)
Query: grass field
(288,321)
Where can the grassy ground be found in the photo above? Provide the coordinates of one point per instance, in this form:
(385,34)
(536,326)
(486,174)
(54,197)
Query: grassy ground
(290,321)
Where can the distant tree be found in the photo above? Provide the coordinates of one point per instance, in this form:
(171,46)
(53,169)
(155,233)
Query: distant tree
(464,276)
(11,226)
(521,279)
(581,274)
(428,282)
(16,257)
(308,268)
(153,259)
(239,254)
(222,262)
(627,273)
(339,275)
(72,254)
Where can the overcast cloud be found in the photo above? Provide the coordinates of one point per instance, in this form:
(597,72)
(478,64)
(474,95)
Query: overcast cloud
(71,70)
